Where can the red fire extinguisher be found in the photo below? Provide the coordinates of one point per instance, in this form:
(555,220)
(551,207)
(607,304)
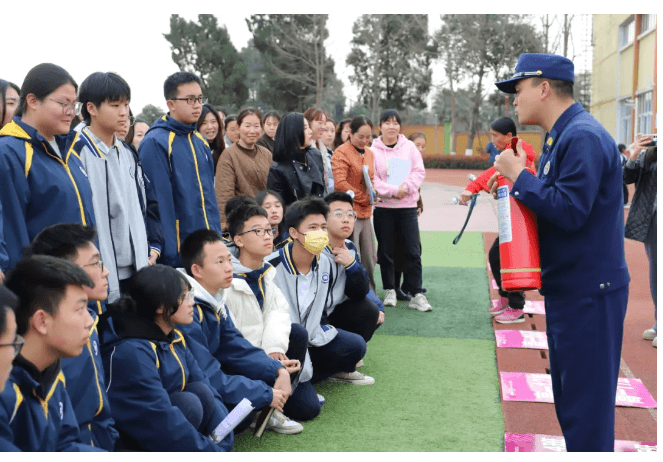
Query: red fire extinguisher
(519,239)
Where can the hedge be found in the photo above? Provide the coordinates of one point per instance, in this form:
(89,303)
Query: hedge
(477,162)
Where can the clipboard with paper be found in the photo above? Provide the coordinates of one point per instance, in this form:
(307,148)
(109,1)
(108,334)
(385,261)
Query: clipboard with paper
(369,186)
(398,171)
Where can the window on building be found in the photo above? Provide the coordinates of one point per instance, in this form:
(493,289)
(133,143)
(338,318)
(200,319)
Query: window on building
(626,32)
(645,112)
(625,135)
(648,22)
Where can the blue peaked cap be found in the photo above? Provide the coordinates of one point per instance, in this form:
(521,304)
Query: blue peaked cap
(538,65)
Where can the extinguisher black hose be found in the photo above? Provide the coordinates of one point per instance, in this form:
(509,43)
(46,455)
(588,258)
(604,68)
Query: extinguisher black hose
(473,201)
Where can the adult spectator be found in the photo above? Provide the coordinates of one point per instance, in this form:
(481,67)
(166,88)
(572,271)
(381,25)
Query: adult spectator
(232,130)
(270,123)
(329,135)
(211,126)
(178,161)
(640,168)
(342,133)
(581,238)
(351,164)
(41,184)
(625,156)
(243,167)
(492,151)
(399,172)
(297,169)
(317,120)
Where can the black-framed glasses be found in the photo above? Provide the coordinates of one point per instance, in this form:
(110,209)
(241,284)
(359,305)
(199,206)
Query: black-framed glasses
(260,232)
(191,100)
(18,344)
(340,215)
(67,108)
(99,264)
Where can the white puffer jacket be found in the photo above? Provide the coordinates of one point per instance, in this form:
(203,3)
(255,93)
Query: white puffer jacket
(267,328)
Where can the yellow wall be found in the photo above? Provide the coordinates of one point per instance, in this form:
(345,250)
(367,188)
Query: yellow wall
(480,142)
(434,136)
(646,68)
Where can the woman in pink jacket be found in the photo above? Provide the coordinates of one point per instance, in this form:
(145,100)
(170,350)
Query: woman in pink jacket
(399,172)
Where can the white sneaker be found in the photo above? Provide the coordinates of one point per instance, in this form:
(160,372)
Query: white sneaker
(360,363)
(389,298)
(321,399)
(355,378)
(649,334)
(279,423)
(654,342)
(420,303)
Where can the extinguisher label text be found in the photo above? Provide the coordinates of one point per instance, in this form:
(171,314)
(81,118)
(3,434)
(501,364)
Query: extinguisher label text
(504,214)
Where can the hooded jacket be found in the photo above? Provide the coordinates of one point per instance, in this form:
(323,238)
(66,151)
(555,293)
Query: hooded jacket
(178,161)
(144,366)
(258,308)
(139,207)
(36,413)
(38,188)
(407,152)
(235,368)
(87,390)
(311,317)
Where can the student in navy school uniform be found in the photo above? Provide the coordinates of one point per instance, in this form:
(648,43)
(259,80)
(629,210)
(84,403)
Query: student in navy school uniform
(161,399)
(577,199)
(36,413)
(10,345)
(85,372)
(178,161)
(41,182)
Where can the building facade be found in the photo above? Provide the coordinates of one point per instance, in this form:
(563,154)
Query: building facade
(624,74)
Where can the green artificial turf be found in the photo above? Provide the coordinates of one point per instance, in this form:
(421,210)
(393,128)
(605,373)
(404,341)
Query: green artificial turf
(430,394)
(438,250)
(460,299)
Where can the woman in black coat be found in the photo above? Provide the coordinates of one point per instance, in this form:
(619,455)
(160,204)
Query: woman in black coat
(297,169)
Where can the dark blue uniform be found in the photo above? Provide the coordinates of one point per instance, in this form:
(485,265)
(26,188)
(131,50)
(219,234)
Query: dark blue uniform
(577,199)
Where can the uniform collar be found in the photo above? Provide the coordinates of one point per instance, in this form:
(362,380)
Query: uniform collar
(289,261)
(43,379)
(100,144)
(561,123)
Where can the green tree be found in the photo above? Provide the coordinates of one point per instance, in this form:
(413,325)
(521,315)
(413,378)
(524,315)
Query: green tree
(298,69)
(391,55)
(150,114)
(487,47)
(205,49)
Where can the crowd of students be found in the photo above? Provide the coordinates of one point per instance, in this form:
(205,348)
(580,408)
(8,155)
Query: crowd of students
(156,276)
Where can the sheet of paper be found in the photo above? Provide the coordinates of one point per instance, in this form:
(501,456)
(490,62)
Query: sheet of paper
(369,185)
(398,171)
(233,419)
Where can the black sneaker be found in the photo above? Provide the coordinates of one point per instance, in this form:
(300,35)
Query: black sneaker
(402,296)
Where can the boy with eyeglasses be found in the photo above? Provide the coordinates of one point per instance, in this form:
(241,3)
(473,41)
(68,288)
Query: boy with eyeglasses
(356,310)
(36,413)
(84,373)
(257,306)
(306,276)
(178,161)
(125,209)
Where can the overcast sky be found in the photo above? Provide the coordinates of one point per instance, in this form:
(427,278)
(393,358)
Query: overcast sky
(129,41)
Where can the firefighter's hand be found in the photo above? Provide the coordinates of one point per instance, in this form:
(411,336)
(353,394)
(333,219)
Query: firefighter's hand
(465,196)
(492,185)
(510,164)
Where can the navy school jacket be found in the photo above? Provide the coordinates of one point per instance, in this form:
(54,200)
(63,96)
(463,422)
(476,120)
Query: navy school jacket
(38,188)
(87,389)
(223,350)
(178,161)
(144,366)
(36,413)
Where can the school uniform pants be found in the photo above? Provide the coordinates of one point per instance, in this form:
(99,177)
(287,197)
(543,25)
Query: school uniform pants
(585,343)
(364,239)
(340,355)
(303,404)
(387,222)
(516,299)
(356,316)
(197,404)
